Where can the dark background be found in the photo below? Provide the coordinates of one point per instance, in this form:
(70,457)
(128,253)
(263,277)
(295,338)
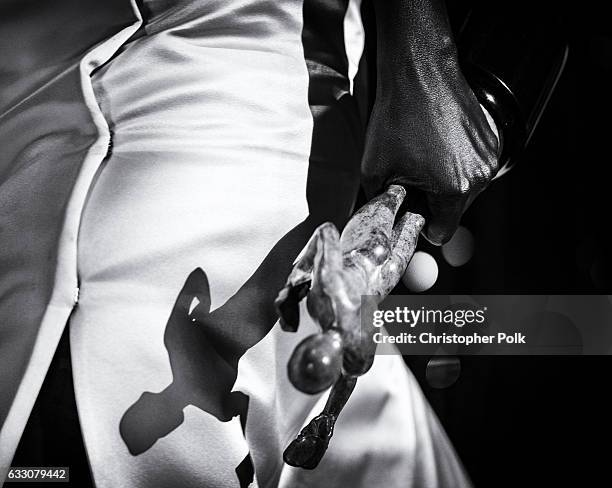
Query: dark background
(541,229)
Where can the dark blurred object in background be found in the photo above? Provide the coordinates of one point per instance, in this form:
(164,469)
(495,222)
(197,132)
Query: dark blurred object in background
(540,229)
(513,64)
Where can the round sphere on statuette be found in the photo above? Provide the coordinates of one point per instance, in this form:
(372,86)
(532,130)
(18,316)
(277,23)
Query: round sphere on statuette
(421,273)
(316,362)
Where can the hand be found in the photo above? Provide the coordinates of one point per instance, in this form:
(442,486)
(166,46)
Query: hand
(435,139)
(427,130)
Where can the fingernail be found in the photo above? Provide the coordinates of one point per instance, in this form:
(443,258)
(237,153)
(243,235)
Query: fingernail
(435,238)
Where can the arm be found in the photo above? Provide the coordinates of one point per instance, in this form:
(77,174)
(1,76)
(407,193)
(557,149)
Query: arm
(427,130)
